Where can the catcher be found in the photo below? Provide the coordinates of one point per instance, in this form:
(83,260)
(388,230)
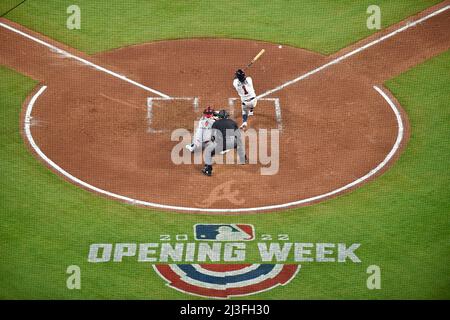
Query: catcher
(203,133)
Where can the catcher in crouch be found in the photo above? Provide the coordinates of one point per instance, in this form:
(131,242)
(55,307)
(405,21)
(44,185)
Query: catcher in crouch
(203,133)
(225,136)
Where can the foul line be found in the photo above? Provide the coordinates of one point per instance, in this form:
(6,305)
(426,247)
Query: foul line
(400,135)
(371,173)
(351,53)
(84,61)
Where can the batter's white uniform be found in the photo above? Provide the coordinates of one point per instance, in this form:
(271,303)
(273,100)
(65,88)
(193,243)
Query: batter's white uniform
(203,133)
(247,93)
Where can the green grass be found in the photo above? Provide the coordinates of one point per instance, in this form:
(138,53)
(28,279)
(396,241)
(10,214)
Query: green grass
(6,5)
(401,219)
(323,26)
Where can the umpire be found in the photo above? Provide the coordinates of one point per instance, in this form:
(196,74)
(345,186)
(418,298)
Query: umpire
(225,136)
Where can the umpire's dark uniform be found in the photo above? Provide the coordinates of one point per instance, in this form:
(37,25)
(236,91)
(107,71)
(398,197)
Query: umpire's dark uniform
(225,135)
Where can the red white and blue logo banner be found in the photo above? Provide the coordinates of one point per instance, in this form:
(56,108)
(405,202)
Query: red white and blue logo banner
(213,261)
(225,281)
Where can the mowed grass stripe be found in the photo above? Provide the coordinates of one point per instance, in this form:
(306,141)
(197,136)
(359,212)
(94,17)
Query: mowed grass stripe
(324,26)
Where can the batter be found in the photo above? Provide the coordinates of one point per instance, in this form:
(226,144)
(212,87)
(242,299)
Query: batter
(246,91)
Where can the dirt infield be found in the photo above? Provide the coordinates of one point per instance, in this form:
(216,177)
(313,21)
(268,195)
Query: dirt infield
(336,126)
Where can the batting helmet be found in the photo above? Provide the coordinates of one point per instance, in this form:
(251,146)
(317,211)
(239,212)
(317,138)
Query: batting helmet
(240,74)
(208,112)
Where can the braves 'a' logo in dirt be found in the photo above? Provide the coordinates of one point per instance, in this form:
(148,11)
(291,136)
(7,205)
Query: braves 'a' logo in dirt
(225,280)
(223,192)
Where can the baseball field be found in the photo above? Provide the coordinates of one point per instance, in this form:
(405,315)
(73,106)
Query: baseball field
(92,205)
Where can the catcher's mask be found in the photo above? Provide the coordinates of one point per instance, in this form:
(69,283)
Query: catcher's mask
(208,112)
(240,75)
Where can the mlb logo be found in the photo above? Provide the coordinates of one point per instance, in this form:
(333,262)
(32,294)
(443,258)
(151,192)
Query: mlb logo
(224,232)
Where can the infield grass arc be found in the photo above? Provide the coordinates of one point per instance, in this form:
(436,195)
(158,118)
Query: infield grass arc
(84,61)
(371,173)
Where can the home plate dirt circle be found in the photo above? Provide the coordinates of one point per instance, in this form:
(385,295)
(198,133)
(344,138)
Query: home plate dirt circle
(336,128)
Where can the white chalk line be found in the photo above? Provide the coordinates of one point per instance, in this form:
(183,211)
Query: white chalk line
(304,76)
(150,100)
(84,61)
(272,207)
(371,173)
(276,103)
(351,53)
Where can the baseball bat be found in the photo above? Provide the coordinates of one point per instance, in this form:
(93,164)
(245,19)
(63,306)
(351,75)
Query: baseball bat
(256,58)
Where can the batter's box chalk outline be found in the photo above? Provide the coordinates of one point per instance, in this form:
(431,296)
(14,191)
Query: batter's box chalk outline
(276,104)
(195,105)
